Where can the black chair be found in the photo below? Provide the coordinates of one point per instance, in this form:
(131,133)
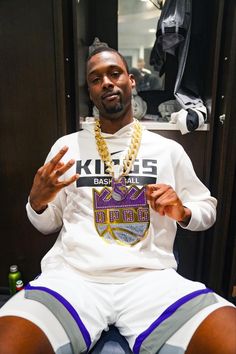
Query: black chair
(111,342)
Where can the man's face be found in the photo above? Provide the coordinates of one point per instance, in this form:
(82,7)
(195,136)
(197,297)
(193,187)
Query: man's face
(140,64)
(110,86)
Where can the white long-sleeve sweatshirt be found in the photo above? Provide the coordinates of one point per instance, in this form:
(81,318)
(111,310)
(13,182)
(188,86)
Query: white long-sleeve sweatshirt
(79,245)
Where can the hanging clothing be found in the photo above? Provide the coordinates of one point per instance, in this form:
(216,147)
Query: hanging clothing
(176,36)
(172,29)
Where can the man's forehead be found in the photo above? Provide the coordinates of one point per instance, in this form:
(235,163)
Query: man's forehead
(104,59)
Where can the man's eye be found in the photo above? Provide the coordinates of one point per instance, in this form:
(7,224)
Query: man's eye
(115,74)
(95,80)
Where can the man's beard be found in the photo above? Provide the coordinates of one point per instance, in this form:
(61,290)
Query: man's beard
(115,109)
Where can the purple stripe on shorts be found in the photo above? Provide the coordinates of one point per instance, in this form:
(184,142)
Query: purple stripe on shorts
(166,314)
(69,307)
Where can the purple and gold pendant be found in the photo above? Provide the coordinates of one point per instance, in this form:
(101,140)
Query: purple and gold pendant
(124,221)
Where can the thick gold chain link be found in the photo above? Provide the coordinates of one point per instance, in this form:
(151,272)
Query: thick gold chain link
(131,154)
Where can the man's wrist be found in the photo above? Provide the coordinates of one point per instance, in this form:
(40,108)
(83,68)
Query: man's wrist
(186,217)
(38,208)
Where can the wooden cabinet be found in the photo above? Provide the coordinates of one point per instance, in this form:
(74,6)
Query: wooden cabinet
(36,107)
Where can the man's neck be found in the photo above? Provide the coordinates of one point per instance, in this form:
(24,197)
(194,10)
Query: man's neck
(111,126)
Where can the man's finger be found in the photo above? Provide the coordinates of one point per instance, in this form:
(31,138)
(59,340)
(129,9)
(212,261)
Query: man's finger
(56,159)
(68,181)
(155,190)
(60,171)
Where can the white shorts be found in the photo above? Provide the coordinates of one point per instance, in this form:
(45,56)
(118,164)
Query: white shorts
(156,311)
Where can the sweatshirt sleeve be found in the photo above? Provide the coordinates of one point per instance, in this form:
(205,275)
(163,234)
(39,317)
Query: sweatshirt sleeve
(194,195)
(50,220)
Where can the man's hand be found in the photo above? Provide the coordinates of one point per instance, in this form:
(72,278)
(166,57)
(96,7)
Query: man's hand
(165,201)
(46,184)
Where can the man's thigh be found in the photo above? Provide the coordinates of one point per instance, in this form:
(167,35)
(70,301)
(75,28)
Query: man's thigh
(69,310)
(21,308)
(157,305)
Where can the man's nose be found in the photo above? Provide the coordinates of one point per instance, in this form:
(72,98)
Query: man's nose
(106,82)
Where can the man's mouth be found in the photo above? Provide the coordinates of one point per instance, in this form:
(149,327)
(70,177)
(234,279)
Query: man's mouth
(110,96)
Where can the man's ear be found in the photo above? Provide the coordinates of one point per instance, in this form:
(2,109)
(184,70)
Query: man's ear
(132,80)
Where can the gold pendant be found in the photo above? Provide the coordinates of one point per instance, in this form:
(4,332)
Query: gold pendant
(125,222)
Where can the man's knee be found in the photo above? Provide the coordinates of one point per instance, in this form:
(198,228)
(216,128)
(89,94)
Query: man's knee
(20,336)
(216,334)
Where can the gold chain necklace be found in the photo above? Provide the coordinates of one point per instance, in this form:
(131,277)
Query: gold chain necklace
(118,180)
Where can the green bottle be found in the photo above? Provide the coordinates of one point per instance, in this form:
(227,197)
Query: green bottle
(13,276)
